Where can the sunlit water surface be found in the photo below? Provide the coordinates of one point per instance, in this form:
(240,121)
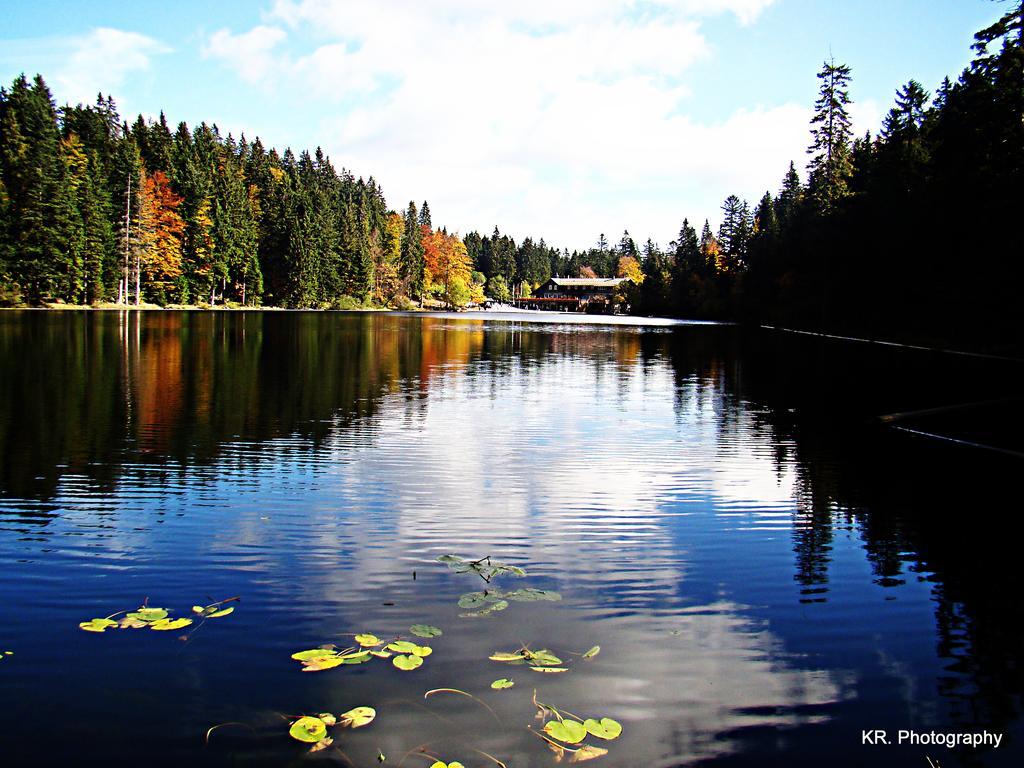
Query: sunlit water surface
(766,572)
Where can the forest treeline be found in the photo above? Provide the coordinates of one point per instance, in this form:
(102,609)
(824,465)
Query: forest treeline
(912,233)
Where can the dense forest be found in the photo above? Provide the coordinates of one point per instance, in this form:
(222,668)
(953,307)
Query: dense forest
(908,234)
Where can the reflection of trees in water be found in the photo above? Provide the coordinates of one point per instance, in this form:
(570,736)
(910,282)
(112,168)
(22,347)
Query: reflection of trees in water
(923,511)
(88,394)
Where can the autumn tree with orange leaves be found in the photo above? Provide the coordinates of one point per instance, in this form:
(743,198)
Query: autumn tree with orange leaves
(162,229)
(447,268)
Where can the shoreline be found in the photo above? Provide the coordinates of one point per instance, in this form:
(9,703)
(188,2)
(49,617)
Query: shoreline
(527,316)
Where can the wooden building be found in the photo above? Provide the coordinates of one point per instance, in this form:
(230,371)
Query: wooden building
(575,294)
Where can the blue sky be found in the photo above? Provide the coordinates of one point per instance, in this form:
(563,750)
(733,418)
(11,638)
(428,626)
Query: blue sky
(553,119)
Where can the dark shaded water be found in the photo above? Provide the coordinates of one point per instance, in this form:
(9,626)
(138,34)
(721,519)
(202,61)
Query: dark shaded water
(767,571)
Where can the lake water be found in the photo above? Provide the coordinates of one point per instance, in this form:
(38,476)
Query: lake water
(767,570)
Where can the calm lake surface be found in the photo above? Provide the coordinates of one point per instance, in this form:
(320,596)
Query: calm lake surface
(768,571)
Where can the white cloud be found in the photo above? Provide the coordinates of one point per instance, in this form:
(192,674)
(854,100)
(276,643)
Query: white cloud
(553,119)
(101,60)
(250,53)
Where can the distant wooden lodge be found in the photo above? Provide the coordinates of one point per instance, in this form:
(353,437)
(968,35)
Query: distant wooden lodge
(575,294)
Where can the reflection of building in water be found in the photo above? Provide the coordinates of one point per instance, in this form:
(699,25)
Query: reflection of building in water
(575,294)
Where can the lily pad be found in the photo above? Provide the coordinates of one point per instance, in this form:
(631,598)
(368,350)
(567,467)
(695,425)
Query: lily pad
(531,594)
(425,630)
(148,614)
(550,670)
(543,658)
(422,650)
(501,683)
(503,656)
(381,654)
(127,623)
(328,718)
(355,658)
(315,653)
(605,728)
(566,731)
(221,612)
(367,640)
(358,717)
(308,729)
(407,663)
(164,625)
(402,646)
(472,600)
(97,625)
(442,764)
(592,652)
(319,665)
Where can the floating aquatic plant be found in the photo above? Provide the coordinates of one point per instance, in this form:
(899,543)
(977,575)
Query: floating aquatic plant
(313,730)
(539,661)
(425,630)
(563,731)
(404,654)
(502,683)
(485,567)
(493,600)
(147,616)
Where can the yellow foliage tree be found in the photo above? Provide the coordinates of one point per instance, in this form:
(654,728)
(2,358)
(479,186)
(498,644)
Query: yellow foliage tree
(447,266)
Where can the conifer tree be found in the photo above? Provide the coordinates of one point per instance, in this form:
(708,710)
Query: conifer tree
(830,164)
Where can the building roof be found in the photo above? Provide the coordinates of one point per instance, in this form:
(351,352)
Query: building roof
(588,282)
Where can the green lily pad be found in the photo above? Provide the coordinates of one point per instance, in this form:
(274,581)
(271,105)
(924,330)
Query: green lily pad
(442,764)
(308,729)
(358,717)
(328,719)
(367,640)
(501,683)
(402,646)
(605,728)
(381,654)
(425,630)
(550,670)
(163,625)
(449,559)
(592,652)
(543,658)
(355,658)
(566,731)
(531,594)
(407,663)
(97,625)
(221,612)
(423,650)
(472,600)
(148,614)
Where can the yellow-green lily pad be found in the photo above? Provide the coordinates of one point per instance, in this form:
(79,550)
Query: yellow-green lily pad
(367,640)
(163,625)
(592,652)
(313,654)
(550,670)
(308,729)
(148,614)
(97,625)
(319,665)
(358,717)
(221,612)
(407,663)
(501,683)
(567,731)
(503,656)
(402,646)
(442,764)
(605,728)
(422,650)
